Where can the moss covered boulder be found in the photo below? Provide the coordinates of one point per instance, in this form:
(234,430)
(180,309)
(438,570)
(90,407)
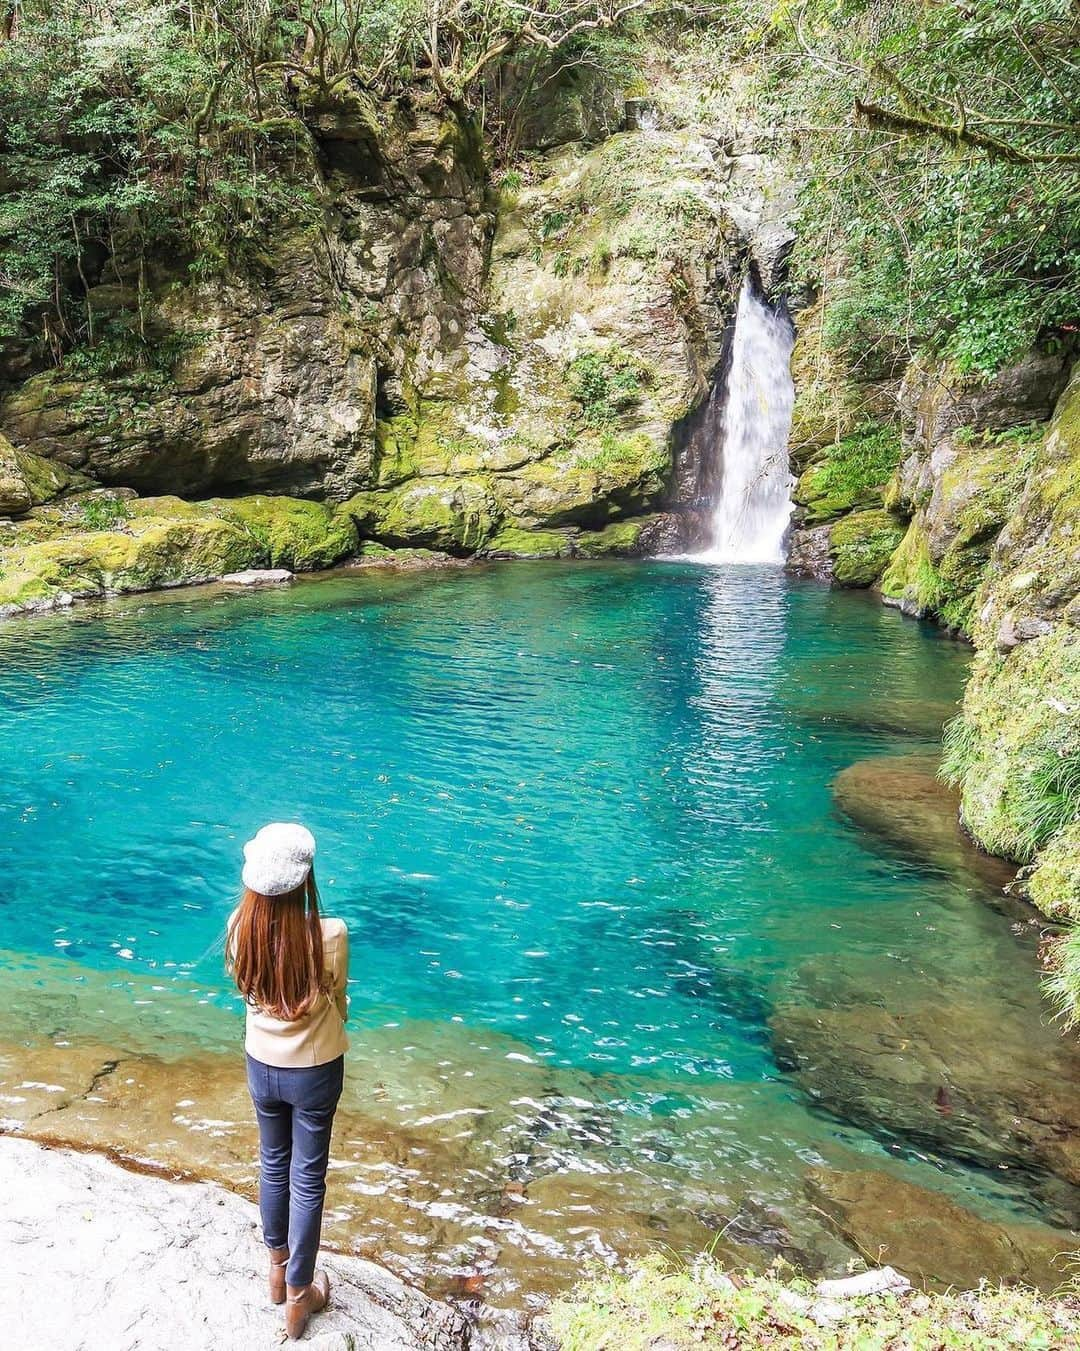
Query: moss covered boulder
(457,515)
(1015,750)
(100,543)
(293,533)
(849,473)
(28,480)
(1053,884)
(514,542)
(861,544)
(151,551)
(621,539)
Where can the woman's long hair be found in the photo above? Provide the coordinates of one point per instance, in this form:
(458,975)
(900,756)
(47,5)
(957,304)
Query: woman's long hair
(274,951)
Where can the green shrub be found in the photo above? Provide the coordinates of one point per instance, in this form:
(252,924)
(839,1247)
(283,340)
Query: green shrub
(661,1302)
(607,384)
(103,513)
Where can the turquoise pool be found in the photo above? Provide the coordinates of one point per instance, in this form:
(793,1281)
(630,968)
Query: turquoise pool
(586,808)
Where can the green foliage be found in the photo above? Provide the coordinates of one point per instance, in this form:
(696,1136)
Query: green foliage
(606,384)
(119,347)
(942,212)
(853,470)
(684,1307)
(103,513)
(1062,982)
(140,131)
(130,132)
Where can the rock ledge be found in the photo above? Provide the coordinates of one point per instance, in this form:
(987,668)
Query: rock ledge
(112,1258)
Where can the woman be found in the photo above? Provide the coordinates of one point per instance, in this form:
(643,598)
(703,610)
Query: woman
(292,967)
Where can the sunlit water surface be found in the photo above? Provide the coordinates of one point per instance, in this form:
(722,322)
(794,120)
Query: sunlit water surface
(580,824)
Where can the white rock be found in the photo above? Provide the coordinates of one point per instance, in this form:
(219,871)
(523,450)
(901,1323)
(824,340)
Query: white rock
(866,1283)
(98,1257)
(260,577)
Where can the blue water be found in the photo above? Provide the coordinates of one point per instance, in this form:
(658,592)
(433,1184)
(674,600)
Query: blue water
(588,808)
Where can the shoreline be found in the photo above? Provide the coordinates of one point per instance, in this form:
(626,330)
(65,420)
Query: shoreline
(116,1256)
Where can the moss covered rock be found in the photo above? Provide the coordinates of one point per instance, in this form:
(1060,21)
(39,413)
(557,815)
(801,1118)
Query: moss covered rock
(911,582)
(98,543)
(861,544)
(1015,750)
(514,542)
(849,473)
(457,515)
(292,533)
(1054,883)
(28,480)
(621,539)
(152,551)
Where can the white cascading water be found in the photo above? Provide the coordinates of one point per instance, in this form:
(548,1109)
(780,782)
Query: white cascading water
(754,507)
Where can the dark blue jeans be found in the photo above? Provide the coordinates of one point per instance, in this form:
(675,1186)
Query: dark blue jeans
(295,1109)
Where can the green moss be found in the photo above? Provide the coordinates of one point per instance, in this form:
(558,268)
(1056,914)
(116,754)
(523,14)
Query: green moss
(1015,750)
(293,533)
(513,542)
(852,472)
(664,1303)
(395,441)
(456,515)
(911,577)
(1054,882)
(153,552)
(621,539)
(636,451)
(861,544)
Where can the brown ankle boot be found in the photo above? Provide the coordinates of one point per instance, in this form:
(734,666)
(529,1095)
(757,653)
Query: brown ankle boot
(303,1301)
(279,1257)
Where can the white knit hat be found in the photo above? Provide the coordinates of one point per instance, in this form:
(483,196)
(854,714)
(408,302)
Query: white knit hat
(278,859)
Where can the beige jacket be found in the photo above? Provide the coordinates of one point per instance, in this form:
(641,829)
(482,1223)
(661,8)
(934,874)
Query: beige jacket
(320,1036)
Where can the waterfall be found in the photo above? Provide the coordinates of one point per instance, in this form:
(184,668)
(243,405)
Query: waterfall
(751,516)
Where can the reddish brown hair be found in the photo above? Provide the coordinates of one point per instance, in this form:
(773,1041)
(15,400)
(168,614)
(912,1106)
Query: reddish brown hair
(274,951)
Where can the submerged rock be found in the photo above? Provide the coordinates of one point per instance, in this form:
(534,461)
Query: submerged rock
(933,1240)
(941,1075)
(902,801)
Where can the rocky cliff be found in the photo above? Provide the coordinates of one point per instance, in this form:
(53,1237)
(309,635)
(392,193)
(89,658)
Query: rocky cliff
(428,358)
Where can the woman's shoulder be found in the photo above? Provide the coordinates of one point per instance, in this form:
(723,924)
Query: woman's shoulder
(334,928)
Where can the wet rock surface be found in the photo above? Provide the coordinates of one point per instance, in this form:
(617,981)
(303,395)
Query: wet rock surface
(933,1241)
(105,1257)
(939,1076)
(901,800)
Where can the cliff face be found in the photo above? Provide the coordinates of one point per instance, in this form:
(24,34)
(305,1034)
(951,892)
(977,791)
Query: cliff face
(272,379)
(1015,751)
(436,361)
